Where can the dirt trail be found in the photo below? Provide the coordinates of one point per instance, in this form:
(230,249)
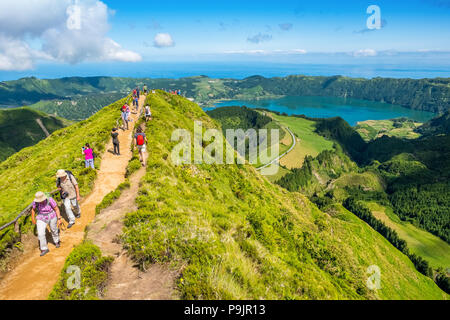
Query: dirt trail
(126,281)
(35,276)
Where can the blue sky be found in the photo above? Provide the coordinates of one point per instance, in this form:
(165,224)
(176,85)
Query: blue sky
(117,34)
(212,27)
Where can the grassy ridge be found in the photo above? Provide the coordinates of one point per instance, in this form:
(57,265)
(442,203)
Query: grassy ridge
(19,129)
(239,237)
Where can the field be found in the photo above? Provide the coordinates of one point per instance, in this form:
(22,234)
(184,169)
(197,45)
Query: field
(372,129)
(310,142)
(421,242)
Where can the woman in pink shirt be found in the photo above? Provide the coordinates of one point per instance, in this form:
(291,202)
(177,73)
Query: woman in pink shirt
(88,156)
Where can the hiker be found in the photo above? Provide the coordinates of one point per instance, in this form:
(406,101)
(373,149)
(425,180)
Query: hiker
(136,104)
(125,115)
(45,211)
(145,89)
(115,137)
(138,92)
(148,113)
(141,140)
(88,156)
(70,194)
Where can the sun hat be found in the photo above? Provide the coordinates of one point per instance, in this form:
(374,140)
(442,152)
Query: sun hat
(40,197)
(61,173)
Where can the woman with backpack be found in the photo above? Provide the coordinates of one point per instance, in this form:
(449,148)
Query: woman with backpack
(141,140)
(70,194)
(115,137)
(45,211)
(88,156)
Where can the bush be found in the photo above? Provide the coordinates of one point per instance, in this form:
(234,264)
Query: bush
(94,274)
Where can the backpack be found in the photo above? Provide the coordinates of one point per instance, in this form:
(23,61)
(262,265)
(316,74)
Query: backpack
(58,182)
(140,140)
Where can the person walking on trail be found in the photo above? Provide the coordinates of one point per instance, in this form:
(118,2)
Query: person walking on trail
(138,92)
(88,156)
(148,113)
(145,88)
(70,194)
(115,137)
(45,211)
(141,141)
(136,104)
(125,116)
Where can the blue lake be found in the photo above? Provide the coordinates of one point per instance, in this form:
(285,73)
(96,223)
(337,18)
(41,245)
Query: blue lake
(351,110)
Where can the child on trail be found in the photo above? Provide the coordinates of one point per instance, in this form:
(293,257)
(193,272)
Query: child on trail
(141,141)
(70,194)
(45,212)
(148,113)
(88,156)
(115,137)
(125,116)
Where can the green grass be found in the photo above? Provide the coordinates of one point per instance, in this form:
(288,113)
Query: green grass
(310,143)
(112,196)
(33,169)
(19,129)
(372,129)
(93,274)
(368,181)
(237,236)
(420,242)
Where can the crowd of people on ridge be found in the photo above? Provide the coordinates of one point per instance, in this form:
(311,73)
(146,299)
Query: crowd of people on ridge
(45,211)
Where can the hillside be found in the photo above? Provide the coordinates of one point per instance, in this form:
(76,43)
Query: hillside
(438,125)
(77,108)
(238,236)
(231,233)
(19,129)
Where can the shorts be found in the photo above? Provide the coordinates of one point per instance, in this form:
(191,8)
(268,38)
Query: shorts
(142,148)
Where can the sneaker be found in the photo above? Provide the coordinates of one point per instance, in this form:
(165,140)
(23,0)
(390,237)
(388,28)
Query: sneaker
(44,252)
(58,245)
(70,225)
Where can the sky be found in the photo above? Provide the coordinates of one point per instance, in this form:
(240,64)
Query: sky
(41,35)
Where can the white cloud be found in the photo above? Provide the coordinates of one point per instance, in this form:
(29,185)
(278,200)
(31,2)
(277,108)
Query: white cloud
(46,22)
(365,53)
(163,40)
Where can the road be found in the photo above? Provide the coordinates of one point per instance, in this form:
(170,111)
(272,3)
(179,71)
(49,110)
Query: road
(281,156)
